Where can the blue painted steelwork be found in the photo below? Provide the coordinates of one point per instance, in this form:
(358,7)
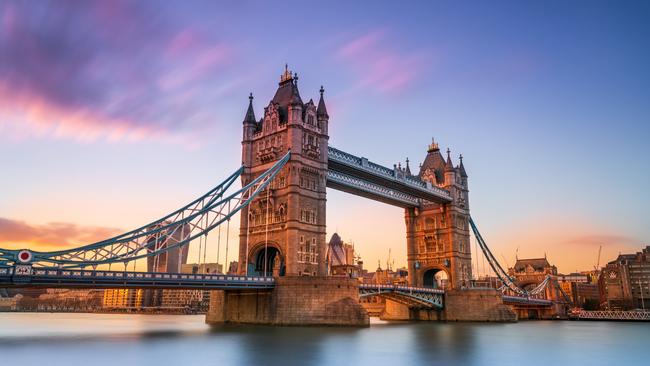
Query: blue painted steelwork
(175,230)
(532,297)
(425,297)
(494,264)
(520,300)
(75,278)
(370,190)
(357,172)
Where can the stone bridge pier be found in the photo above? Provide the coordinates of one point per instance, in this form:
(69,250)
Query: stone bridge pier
(294,301)
(484,305)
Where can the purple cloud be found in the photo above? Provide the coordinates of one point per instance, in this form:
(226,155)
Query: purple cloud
(113,70)
(380,63)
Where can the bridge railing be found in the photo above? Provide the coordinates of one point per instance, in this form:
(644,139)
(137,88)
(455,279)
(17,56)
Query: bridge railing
(372,286)
(614,315)
(371,187)
(126,275)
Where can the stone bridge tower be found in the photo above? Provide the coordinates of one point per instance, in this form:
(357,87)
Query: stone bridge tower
(283,230)
(438,234)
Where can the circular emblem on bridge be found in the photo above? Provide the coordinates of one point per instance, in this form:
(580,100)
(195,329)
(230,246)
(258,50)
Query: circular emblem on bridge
(25,256)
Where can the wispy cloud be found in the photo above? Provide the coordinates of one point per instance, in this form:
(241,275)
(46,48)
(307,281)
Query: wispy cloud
(19,233)
(379,62)
(601,239)
(117,71)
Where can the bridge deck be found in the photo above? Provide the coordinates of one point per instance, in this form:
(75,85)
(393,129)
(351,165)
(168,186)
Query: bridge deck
(411,296)
(53,278)
(520,300)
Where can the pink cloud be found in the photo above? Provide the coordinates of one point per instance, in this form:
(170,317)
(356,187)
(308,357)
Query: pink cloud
(379,63)
(571,243)
(24,116)
(117,71)
(15,233)
(196,65)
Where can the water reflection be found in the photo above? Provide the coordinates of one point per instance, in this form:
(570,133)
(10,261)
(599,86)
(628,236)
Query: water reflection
(97,339)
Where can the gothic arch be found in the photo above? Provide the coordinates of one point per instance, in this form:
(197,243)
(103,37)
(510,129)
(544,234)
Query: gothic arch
(274,257)
(432,274)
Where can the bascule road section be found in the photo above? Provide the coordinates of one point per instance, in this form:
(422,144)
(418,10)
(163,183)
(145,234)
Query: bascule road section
(282,275)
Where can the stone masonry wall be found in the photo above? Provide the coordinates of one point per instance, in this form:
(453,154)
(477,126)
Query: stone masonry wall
(477,305)
(294,301)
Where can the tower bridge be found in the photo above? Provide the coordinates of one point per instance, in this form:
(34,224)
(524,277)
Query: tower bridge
(282,276)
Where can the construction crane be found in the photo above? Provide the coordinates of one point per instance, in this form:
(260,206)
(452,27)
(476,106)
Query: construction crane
(597,266)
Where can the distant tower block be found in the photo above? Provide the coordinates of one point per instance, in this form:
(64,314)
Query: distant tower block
(283,230)
(438,243)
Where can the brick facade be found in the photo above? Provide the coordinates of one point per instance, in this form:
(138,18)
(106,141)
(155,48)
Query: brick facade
(437,235)
(286,222)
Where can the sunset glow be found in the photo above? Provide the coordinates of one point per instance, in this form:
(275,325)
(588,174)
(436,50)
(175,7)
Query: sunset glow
(115,113)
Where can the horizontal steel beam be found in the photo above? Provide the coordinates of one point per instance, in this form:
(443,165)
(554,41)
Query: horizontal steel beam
(59,278)
(520,300)
(363,188)
(411,296)
(348,164)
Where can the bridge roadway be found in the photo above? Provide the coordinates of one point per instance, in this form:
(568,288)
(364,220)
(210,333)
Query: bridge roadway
(74,278)
(357,175)
(527,301)
(26,276)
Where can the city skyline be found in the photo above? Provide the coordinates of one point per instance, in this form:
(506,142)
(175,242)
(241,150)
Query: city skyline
(102,132)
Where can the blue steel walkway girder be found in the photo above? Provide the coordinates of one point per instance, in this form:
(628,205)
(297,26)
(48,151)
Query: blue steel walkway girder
(359,174)
(361,187)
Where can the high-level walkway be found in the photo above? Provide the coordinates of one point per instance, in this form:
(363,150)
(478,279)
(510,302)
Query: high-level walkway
(358,176)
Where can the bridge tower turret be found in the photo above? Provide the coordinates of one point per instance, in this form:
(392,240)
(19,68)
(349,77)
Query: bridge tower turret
(282,231)
(321,113)
(438,234)
(250,125)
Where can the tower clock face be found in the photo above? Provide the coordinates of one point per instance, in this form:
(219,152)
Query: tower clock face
(613,275)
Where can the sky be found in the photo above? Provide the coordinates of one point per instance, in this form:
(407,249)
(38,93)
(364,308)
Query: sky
(114,113)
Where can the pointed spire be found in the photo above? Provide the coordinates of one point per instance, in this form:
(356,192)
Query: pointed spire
(250,113)
(449,167)
(461,167)
(321,111)
(295,94)
(408,168)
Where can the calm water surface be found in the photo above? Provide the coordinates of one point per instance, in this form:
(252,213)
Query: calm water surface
(112,339)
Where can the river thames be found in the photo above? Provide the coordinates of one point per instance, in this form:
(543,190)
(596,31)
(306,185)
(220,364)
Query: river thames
(116,339)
